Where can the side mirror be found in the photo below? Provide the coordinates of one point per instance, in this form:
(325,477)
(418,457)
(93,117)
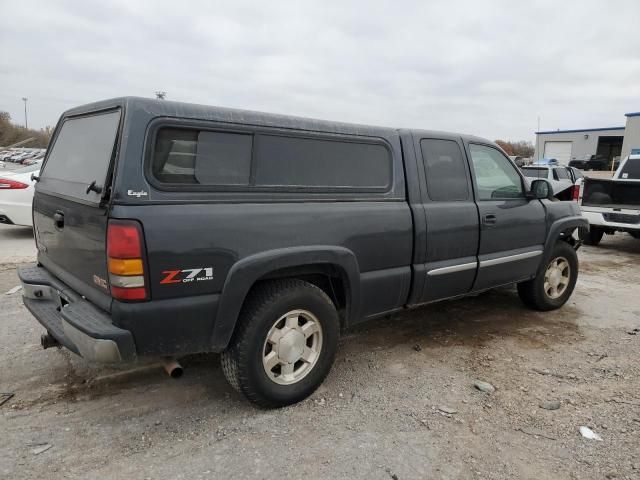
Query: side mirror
(540,189)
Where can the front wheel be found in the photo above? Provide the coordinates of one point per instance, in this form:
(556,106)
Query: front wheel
(553,286)
(284,345)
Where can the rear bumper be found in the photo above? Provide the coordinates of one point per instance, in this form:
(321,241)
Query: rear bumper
(600,219)
(74,322)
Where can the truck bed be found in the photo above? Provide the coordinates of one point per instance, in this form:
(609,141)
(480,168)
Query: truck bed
(605,193)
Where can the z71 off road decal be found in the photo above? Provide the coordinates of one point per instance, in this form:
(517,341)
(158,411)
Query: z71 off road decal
(187,275)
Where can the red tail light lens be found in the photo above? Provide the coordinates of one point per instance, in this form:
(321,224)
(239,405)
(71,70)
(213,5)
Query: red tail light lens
(125,260)
(8,184)
(575,193)
(124,239)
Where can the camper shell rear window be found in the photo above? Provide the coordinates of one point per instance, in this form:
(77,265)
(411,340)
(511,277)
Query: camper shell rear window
(81,154)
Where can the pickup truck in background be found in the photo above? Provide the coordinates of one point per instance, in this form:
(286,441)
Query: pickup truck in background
(612,205)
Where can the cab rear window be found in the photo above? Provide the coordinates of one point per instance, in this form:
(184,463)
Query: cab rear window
(80,155)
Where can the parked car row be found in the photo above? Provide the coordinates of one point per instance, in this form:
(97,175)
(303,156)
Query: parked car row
(24,156)
(595,162)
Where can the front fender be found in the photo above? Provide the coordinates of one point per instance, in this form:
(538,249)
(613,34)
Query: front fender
(557,228)
(246,272)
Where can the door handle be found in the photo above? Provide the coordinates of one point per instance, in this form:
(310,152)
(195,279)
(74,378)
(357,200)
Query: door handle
(58,218)
(489,219)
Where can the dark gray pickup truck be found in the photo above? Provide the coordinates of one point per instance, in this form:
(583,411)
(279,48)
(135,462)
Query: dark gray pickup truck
(166,229)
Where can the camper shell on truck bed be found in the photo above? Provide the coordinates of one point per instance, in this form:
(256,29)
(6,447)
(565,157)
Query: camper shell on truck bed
(166,228)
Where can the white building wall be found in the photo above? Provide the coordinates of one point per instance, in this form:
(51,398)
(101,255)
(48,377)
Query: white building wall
(584,142)
(632,134)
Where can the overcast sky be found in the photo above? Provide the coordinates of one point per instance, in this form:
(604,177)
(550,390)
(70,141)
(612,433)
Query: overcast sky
(480,67)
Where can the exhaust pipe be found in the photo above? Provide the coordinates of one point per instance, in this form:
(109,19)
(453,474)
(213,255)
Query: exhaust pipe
(172,367)
(48,341)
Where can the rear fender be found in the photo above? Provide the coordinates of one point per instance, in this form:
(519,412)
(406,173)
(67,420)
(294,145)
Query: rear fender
(246,272)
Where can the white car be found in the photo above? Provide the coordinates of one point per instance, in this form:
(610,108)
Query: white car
(16,195)
(562,179)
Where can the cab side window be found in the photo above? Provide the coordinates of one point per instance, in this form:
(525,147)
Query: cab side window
(445,170)
(496,177)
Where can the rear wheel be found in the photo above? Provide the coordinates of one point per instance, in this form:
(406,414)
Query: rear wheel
(593,236)
(553,286)
(284,345)
(635,234)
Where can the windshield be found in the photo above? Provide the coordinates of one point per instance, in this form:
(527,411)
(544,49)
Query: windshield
(80,155)
(630,170)
(536,172)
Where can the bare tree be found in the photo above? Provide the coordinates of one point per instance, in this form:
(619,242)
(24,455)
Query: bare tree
(11,133)
(521,148)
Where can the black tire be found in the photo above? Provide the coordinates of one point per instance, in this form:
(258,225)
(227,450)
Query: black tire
(242,361)
(533,293)
(591,237)
(635,234)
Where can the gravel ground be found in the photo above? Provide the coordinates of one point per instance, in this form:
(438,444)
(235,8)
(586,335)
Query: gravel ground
(400,402)
(16,245)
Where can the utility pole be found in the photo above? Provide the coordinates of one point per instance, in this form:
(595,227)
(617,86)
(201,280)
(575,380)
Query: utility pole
(538,141)
(24,99)
(160,95)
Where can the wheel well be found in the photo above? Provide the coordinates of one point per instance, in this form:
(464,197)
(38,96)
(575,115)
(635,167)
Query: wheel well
(328,278)
(567,236)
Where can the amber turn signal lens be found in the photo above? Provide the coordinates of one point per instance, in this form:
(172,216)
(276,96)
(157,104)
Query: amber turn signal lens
(125,266)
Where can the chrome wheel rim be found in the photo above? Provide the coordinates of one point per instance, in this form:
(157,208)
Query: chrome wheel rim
(292,347)
(556,277)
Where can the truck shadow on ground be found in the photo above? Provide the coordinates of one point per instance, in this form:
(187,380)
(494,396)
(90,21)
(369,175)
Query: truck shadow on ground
(471,322)
(617,243)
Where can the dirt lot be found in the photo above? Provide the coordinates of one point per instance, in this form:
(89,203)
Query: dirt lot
(382,413)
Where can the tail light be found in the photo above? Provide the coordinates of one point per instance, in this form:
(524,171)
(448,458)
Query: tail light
(7,184)
(575,193)
(125,257)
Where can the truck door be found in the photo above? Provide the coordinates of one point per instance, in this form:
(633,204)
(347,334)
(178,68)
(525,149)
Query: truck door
(452,228)
(512,227)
